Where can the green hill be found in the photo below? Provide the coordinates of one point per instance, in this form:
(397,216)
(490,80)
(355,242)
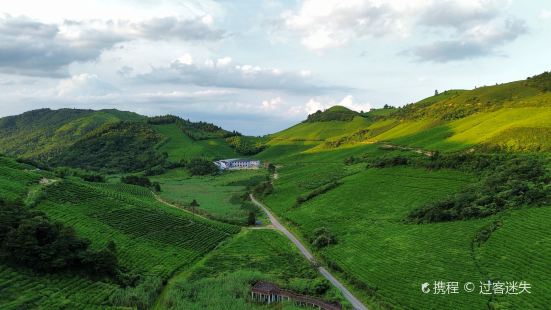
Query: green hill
(514,116)
(393,212)
(179,145)
(42,134)
(153,240)
(113,140)
(364,183)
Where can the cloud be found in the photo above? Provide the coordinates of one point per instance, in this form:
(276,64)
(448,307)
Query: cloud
(474,42)
(333,23)
(34,48)
(222,73)
(272,104)
(545,14)
(461,14)
(458,25)
(84,85)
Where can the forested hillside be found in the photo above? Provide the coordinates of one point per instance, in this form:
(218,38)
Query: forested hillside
(112,140)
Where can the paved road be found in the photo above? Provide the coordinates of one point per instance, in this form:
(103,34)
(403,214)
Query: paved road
(345,292)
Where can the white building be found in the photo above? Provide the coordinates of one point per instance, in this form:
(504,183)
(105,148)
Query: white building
(237,164)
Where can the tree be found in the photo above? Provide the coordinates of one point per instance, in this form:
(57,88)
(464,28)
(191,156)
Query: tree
(271,168)
(194,204)
(251,220)
(436,92)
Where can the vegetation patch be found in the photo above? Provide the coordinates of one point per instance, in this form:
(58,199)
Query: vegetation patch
(123,146)
(318,191)
(515,183)
(247,146)
(336,113)
(200,166)
(30,239)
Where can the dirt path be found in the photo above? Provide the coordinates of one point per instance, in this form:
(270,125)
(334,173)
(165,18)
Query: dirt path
(161,200)
(357,304)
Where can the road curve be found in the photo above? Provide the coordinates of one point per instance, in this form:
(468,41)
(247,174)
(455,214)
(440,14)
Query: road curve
(357,304)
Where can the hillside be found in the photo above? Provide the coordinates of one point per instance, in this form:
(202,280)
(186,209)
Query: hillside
(152,240)
(401,214)
(454,188)
(112,140)
(42,134)
(514,116)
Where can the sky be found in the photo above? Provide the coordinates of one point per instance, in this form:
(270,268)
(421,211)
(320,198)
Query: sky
(261,66)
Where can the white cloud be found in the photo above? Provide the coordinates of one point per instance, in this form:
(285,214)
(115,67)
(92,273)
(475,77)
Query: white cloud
(30,47)
(220,62)
(186,59)
(84,85)
(272,104)
(545,14)
(334,23)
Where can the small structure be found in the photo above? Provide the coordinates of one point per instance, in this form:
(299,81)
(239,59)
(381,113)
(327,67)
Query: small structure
(270,293)
(237,164)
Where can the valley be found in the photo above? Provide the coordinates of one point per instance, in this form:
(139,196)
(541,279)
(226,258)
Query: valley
(453,188)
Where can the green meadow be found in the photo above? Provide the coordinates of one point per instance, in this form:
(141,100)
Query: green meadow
(219,196)
(223,279)
(180,146)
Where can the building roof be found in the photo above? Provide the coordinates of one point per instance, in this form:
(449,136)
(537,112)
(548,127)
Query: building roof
(265,287)
(229,160)
(271,288)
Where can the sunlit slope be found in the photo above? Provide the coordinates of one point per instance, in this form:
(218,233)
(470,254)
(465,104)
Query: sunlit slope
(514,129)
(320,131)
(180,146)
(320,127)
(514,117)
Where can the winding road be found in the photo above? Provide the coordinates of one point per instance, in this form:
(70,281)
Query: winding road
(357,304)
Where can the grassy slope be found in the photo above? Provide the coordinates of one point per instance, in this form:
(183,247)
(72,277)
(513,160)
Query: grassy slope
(503,127)
(320,131)
(514,116)
(152,239)
(223,279)
(179,146)
(393,259)
(217,195)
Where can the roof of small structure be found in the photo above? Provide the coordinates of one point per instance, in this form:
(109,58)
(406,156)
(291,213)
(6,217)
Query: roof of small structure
(230,160)
(265,287)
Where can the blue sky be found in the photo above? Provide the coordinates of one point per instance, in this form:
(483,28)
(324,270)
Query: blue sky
(260,66)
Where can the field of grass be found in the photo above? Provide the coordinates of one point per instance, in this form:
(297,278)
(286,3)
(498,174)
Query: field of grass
(179,146)
(218,196)
(320,131)
(153,240)
(385,258)
(223,280)
(503,128)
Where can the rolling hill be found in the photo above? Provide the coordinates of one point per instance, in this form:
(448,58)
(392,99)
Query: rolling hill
(514,116)
(363,184)
(453,188)
(110,140)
